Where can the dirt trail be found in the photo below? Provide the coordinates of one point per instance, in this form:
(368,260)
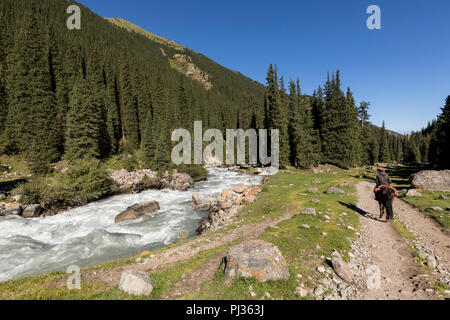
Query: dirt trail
(382,246)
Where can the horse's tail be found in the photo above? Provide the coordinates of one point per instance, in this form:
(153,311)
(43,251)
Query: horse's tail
(388,205)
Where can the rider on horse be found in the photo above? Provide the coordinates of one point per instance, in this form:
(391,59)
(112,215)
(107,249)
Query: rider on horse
(382,178)
(384,193)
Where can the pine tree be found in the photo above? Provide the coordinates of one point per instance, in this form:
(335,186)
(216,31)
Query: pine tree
(129,112)
(83,123)
(276,116)
(32,113)
(440,140)
(340,126)
(304,141)
(113,114)
(97,83)
(3,98)
(384,147)
(363,111)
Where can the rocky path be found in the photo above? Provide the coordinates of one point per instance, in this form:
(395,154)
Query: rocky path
(385,267)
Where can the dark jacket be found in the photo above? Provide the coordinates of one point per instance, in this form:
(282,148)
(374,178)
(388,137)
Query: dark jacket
(383,179)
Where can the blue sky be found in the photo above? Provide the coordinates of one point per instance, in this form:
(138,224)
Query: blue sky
(402,69)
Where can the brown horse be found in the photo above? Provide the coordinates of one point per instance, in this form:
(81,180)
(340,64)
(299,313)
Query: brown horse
(385,196)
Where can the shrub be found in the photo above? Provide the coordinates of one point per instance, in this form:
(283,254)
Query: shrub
(32,192)
(197,172)
(86,181)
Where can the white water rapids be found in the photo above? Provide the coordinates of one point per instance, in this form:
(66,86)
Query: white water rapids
(87,235)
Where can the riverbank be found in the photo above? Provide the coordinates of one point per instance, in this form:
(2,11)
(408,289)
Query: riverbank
(76,184)
(89,235)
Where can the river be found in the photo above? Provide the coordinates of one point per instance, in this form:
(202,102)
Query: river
(87,235)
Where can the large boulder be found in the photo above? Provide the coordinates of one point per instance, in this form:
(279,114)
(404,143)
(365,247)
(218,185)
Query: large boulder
(136,211)
(256,259)
(137,283)
(32,211)
(432,180)
(7,209)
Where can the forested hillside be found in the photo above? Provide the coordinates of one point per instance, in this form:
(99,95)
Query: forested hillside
(100,90)
(105,90)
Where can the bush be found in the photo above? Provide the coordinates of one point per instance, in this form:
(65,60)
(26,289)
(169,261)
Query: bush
(83,182)
(86,181)
(32,192)
(197,172)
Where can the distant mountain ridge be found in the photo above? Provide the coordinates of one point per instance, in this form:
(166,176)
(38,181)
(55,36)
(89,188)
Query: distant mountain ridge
(132,27)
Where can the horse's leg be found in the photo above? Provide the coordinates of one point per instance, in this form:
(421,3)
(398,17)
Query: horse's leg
(381,210)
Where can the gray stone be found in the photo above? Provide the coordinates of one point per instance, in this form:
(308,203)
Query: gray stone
(442,197)
(310,211)
(137,283)
(341,268)
(432,180)
(315,200)
(32,211)
(7,209)
(314,190)
(305,226)
(334,190)
(413,193)
(256,259)
(319,291)
(136,211)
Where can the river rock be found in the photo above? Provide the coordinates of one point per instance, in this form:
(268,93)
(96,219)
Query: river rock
(432,180)
(334,190)
(7,209)
(248,199)
(32,211)
(256,259)
(135,282)
(240,189)
(254,191)
(413,193)
(341,268)
(226,194)
(136,211)
(203,204)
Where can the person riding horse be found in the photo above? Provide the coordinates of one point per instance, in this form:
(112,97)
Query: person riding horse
(384,193)
(382,178)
